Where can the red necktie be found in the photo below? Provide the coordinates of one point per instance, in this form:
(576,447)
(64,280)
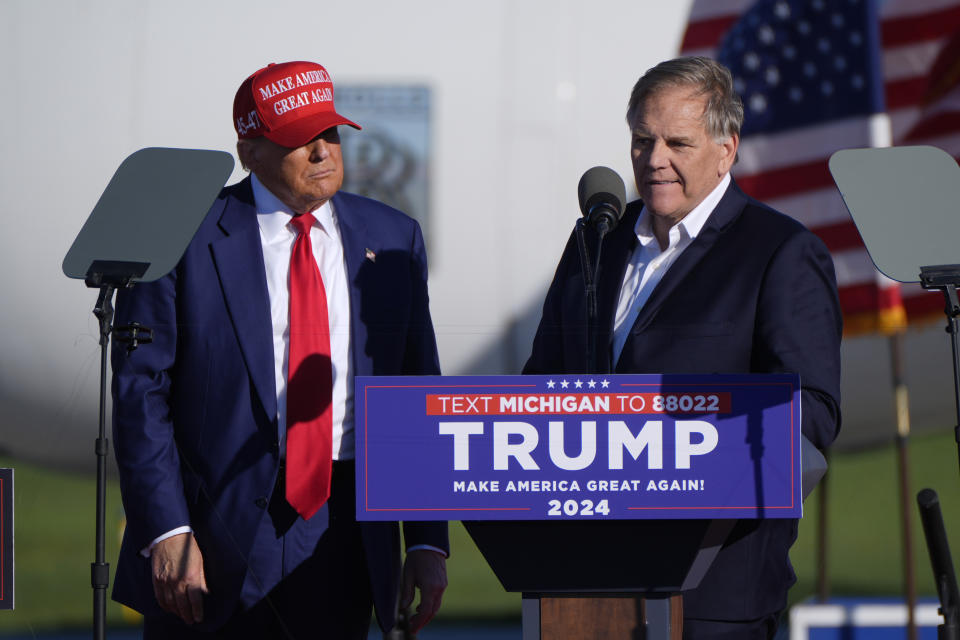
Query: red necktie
(309,380)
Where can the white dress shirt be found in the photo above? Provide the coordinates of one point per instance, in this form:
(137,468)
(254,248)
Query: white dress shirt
(649,263)
(277,237)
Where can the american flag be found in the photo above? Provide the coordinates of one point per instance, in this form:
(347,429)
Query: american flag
(817,76)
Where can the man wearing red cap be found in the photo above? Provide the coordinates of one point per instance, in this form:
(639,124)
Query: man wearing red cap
(234,429)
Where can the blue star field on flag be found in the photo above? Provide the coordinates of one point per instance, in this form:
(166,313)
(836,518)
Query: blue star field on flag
(799,62)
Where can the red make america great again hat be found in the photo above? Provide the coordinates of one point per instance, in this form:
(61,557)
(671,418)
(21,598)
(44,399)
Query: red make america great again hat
(290,103)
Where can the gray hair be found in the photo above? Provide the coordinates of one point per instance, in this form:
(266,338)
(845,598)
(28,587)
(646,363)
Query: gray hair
(723,114)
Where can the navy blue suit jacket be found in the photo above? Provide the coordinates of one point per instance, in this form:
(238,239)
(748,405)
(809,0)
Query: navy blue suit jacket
(755,292)
(195,412)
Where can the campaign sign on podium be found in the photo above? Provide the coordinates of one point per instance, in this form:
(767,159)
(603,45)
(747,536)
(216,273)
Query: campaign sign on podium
(578,447)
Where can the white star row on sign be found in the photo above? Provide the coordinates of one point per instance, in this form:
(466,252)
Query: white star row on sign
(578,383)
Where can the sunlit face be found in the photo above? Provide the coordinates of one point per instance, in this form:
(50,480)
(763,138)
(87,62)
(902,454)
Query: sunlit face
(303,178)
(676,162)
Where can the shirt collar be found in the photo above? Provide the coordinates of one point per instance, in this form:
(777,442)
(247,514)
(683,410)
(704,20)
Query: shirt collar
(274,216)
(692,223)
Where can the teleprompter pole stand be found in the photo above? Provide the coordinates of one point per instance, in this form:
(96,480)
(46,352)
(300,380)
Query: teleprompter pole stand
(137,232)
(877,185)
(947,278)
(108,276)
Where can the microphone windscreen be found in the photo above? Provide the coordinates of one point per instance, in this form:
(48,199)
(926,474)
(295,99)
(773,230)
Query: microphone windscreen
(601,184)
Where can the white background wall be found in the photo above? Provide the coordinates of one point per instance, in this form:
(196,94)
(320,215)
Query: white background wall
(527,95)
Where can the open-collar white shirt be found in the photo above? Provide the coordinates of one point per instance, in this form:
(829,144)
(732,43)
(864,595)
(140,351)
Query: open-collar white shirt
(648,263)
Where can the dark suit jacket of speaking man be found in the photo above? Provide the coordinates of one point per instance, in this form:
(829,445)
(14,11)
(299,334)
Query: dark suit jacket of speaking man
(195,412)
(754,293)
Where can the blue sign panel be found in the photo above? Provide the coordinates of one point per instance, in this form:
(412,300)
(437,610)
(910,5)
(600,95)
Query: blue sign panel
(578,446)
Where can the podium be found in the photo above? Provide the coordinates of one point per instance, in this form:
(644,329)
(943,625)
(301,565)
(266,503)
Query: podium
(578,578)
(599,498)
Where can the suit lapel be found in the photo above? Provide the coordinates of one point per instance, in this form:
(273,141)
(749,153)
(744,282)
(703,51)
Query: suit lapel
(238,257)
(354,236)
(726,211)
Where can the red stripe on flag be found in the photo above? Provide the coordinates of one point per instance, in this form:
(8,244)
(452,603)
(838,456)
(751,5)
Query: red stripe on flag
(861,298)
(840,236)
(938,125)
(706,33)
(927,306)
(905,93)
(785,181)
(919,28)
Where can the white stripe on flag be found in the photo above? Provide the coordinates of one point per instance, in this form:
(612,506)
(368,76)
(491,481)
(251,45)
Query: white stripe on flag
(817,208)
(766,152)
(855,267)
(910,61)
(717,8)
(907,8)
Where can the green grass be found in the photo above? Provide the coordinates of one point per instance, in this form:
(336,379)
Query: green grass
(54,522)
(864,544)
(54,545)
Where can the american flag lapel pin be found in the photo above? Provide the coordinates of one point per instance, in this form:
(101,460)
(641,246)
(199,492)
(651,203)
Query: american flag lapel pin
(370,255)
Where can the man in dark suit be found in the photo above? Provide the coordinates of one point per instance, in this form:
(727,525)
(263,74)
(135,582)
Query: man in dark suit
(700,278)
(234,429)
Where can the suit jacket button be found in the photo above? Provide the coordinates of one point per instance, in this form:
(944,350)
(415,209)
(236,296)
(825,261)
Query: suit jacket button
(261,502)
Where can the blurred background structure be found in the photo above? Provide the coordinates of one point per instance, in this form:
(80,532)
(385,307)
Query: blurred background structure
(479,119)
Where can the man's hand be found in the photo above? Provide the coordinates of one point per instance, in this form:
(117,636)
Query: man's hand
(425,570)
(178,580)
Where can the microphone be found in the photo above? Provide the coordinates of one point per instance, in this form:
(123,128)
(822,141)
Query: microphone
(602,195)
(941,562)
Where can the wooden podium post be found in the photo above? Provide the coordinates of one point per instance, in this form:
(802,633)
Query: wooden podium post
(608,579)
(585,618)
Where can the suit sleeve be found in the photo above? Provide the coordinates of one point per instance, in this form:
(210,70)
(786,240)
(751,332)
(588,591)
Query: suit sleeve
(420,358)
(143,436)
(420,354)
(798,329)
